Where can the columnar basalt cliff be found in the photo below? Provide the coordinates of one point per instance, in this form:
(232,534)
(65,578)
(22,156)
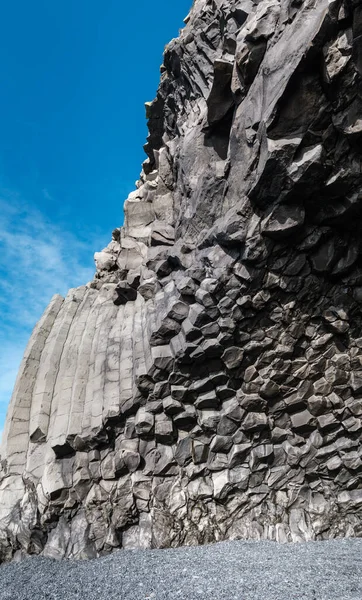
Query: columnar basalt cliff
(207,384)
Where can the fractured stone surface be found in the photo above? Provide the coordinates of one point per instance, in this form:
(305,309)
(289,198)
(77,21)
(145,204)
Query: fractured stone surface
(206,385)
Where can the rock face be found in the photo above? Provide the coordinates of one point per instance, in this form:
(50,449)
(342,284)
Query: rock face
(207,384)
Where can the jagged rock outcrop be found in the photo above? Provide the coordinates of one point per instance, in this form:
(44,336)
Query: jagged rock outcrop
(208,383)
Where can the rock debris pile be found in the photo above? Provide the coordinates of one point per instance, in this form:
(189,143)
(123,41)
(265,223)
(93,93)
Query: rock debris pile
(207,384)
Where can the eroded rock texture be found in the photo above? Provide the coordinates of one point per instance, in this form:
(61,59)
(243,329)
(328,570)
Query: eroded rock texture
(208,383)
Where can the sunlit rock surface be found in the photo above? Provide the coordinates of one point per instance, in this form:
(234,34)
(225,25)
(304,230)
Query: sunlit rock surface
(207,384)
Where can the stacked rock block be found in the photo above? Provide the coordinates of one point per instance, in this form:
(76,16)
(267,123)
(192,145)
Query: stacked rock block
(207,384)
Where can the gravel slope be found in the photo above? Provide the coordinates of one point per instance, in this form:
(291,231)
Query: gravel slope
(230,570)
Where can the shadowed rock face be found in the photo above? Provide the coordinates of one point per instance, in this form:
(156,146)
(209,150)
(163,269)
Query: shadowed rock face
(207,384)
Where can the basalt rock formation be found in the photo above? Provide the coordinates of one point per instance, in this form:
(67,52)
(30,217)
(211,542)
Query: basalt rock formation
(207,384)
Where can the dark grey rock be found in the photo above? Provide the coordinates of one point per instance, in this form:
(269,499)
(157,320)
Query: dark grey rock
(207,383)
(124,292)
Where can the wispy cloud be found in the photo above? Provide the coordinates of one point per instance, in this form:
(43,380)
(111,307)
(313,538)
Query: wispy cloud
(38,259)
(11,352)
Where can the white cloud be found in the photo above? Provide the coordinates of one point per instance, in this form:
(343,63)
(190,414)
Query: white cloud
(37,260)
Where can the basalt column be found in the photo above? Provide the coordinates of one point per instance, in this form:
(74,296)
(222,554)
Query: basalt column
(207,384)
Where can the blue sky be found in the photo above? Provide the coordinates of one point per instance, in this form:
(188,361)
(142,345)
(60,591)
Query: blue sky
(74,79)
